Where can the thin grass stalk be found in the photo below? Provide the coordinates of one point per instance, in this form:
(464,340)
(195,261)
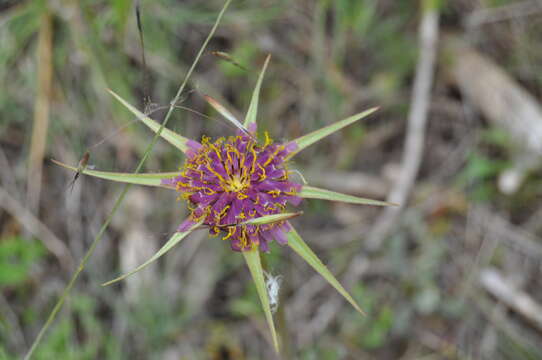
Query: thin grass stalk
(117,204)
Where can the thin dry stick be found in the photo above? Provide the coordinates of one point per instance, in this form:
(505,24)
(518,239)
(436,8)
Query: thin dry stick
(417,118)
(41,112)
(37,228)
(124,191)
(518,300)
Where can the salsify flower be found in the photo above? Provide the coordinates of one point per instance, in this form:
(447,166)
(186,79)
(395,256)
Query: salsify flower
(240,187)
(234,180)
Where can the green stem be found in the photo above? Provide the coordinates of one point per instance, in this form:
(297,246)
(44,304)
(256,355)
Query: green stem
(127,187)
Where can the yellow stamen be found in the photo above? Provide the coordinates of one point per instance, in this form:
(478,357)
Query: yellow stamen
(263,175)
(216,173)
(231,231)
(241,196)
(268,140)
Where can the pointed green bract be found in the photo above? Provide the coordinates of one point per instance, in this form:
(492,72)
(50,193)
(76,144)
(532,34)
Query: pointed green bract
(253,107)
(309,139)
(310,192)
(252,258)
(226,113)
(174,240)
(150,179)
(303,250)
(269,219)
(180,142)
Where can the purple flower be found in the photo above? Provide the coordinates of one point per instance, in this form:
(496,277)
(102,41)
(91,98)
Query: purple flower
(235,179)
(240,187)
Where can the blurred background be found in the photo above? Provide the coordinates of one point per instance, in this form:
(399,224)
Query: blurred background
(455,273)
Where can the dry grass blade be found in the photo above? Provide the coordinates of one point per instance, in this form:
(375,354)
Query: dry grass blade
(41,112)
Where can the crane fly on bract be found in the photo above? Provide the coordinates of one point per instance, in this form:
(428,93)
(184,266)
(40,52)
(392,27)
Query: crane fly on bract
(83,163)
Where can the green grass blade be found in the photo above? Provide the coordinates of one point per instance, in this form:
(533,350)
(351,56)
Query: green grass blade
(253,107)
(116,206)
(170,136)
(150,179)
(303,250)
(252,258)
(310,192)
(269,219)
(173,240)
(309,139)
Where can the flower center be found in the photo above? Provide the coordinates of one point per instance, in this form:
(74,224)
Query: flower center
(236,184)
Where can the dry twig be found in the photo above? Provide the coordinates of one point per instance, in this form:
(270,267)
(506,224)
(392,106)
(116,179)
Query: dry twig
(493,281)
(503,101)
(415,137)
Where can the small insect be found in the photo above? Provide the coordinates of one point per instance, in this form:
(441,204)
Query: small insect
(272,284)
(80,168)
(228,58)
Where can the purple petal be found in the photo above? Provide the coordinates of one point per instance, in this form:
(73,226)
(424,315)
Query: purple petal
(264,246)
(252,127)
(279,235)
(186,225)
(291,146)
(169,182)
(194,145)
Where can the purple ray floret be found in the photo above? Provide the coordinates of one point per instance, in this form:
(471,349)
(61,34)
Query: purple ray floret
(230,181)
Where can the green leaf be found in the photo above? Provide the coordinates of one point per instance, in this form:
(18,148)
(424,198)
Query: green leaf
(310,192)
(174,240)
(253,107)
(269,219)
(303,250)
(252,258)
(150,179)
(309,139)
(172,137)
